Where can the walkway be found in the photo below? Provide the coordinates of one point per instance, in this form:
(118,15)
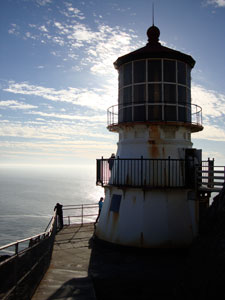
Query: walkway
(86,268)
(67,276)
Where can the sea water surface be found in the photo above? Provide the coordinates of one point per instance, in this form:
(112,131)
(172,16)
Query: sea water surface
(28,195)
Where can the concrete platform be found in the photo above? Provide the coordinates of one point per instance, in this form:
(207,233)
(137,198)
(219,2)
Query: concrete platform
(84,267)
(67,276)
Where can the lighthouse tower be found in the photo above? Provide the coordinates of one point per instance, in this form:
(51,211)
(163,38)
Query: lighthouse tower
(150,190)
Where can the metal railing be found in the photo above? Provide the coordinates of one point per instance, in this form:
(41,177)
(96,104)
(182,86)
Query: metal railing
(151,112)
(79,214)
(160,173)
(210,177)
(26,263)
(142,172)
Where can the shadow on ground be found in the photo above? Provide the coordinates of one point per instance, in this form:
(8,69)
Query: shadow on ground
(77,288)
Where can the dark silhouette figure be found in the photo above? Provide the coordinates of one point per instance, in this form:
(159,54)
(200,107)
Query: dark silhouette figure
(59,214)
(100,204)
(111,161)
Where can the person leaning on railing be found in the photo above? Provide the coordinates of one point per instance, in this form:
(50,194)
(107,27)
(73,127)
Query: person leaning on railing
(59,214)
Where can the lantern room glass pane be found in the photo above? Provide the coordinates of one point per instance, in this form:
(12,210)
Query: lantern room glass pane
(189,113)
(120,114)
(169,69)
(139,71)
(139,93)
(154,113)
(120,102)
(188,96)
(170,113)
(127,114)
(127,95)
(127,74)
(155,93)
(154,70)
(182,97)
(182,114)
(181,68)
(169,93)
(188,76)
(121,77)
(139,113)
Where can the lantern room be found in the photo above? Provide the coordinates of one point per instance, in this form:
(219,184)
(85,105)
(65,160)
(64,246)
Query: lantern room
(155,85)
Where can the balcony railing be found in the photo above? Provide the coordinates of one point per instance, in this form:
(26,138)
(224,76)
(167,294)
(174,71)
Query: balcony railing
(146,173)
(210,177)
(155,112)
(160,173)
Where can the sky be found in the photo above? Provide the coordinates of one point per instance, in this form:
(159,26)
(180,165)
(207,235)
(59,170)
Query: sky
(57,77)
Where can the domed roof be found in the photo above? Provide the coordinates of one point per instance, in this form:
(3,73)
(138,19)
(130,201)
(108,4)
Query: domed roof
(154,49)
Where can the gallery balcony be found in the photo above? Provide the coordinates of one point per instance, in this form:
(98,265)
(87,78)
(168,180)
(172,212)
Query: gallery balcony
(160,173)
(142,173)
(179,114)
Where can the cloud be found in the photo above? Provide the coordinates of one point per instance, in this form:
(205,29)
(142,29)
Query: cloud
(54,130)
(213,113)
(71,38)
(15,29)
(43,2)
(45,151)
(43,28)
(91,119)
(212,102)
(97,99)
(14,104)
(210,132)
(72,12)
(217,3)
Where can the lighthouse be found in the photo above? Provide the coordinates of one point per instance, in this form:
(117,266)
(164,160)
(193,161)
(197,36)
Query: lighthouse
(150,185)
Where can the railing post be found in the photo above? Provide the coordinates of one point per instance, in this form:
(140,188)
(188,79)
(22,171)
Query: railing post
(141,170)
(16,269)
(224,174)
(97,171)
(168,171)
(211,173)
(82,215)
(118,170)
(102,171)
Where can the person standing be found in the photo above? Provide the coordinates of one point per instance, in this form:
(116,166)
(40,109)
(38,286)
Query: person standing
(100,204)
(59,214)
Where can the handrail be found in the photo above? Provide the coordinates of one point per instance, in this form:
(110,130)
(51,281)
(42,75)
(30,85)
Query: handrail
(83,216)
(159,173)
(22,271)
(114,111)
(50,225)
(39,235)
(210,176)
(143,172)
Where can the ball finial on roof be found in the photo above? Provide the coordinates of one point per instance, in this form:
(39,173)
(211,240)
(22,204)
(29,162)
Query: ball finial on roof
(153,34)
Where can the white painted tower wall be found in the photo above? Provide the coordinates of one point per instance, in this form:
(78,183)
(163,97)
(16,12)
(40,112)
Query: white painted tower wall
(151,218)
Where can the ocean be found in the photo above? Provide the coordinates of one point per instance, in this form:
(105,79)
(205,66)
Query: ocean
(28,195)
